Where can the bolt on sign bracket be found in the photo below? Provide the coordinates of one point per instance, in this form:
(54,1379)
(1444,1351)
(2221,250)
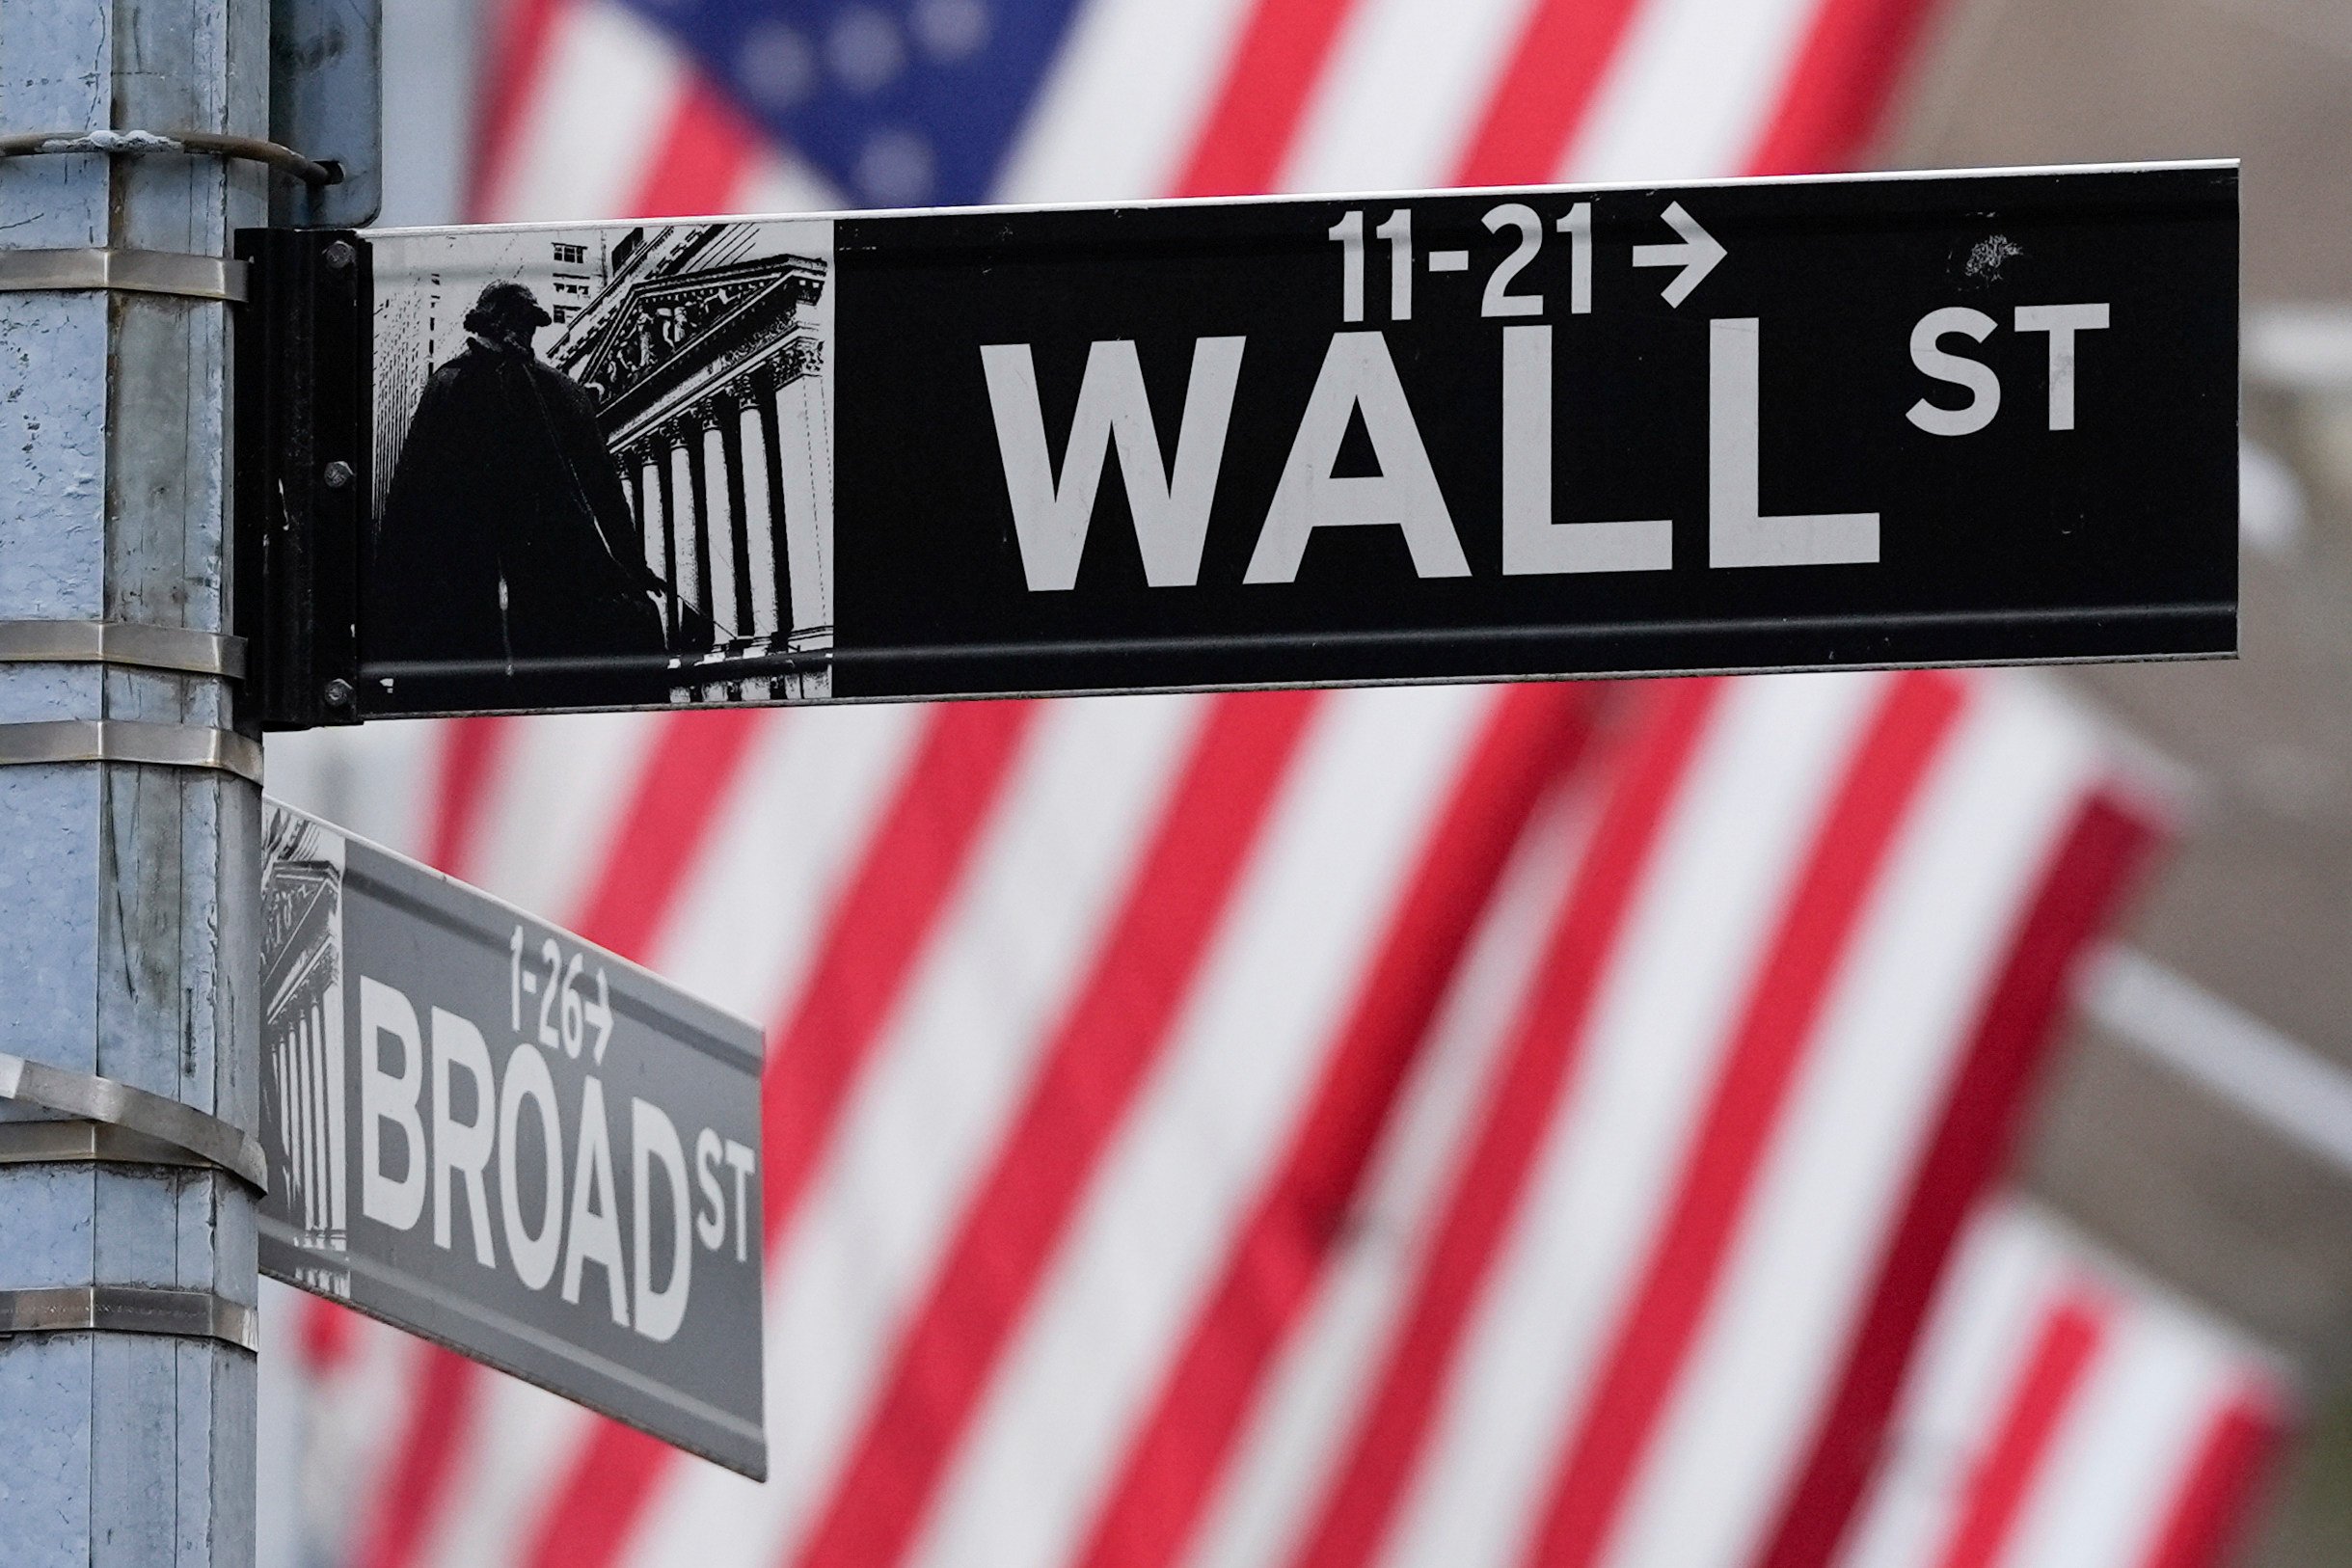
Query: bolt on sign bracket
(305,475)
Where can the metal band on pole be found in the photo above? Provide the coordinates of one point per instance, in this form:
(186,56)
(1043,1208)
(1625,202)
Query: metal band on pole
(128,1309)
(135,272)
(119,642)
(184,1127)
(211,143)
(89,1143)
(129,741)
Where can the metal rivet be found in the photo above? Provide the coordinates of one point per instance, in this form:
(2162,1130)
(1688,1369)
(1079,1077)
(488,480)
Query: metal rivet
(337,475)
(341,254)
(338,693)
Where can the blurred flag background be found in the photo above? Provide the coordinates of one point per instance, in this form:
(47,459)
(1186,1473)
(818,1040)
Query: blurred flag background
(1526,1127)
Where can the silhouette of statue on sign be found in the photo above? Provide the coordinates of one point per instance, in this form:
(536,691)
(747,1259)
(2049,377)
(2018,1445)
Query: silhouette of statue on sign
(507,538)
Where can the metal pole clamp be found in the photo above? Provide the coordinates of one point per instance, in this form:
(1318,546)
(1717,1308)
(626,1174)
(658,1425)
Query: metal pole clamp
(132,644)
(129,1308)
(187,1134)
(130,741)
(125,271)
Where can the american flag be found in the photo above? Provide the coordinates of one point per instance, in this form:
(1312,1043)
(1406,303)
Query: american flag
(1453,1126)
(2064,1411)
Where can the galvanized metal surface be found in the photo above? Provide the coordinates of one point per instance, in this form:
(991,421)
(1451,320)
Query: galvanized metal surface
(128,947)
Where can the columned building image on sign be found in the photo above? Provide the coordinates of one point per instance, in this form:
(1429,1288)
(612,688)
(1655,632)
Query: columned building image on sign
(705,354)
(302,1030)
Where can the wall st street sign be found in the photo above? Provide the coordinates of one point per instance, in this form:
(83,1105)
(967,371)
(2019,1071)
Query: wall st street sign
(485,1131)
(1938,419)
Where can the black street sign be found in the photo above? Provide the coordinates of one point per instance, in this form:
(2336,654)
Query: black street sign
(1766,424)
(486,1131)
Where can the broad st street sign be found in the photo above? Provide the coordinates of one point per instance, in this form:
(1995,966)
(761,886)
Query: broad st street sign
(486,1131)
(1903,419)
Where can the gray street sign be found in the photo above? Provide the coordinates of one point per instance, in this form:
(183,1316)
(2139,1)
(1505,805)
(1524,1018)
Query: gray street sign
(484,1131)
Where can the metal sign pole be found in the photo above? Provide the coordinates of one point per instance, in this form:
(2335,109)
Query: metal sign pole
(129,854)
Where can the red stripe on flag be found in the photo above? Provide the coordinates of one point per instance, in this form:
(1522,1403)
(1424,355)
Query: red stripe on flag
(1654,1335)
(1115,1031)
(696,758)
(1274,1268)
(2093,865)
(2068,1338)
(919,853)
(1544,91)
(510,71)
(448,1389)
(327,1335)
(2213,1502)
(706,151)
(1519,1106)
(913,862)
(1837,91)
(1255,118)
(471,751)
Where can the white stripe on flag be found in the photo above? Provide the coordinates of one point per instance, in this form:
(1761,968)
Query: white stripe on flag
(2136,1420)
(803,808)
(1408,83)
(1670,996)
(2127,1438)
(517,1446)
(549,815)
(599,102)
(1345,833)
(1315,1389)
(365,1394)
(1122,104)
(777,181)
(1913,984)
(1988,1313)
(1690,91)
(374,780)
(930,1108)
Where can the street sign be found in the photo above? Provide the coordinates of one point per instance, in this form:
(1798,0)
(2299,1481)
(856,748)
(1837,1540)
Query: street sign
(1766,424)
(484,1131)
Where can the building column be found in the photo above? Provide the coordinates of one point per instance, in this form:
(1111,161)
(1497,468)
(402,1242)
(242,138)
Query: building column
(645,488)
(661,545)
(730,432)
(718,520)
(685,498)
(757,461)
(806,468)
(772,451)
(309,1042)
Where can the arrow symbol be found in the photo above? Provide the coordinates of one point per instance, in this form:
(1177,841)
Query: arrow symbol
(1696,255)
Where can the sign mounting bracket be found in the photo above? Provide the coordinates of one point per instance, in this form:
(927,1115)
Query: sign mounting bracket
(305,475)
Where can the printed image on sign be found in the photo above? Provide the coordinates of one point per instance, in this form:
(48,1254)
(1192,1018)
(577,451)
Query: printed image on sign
(488,1133)
(1868,420)
(603,466)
